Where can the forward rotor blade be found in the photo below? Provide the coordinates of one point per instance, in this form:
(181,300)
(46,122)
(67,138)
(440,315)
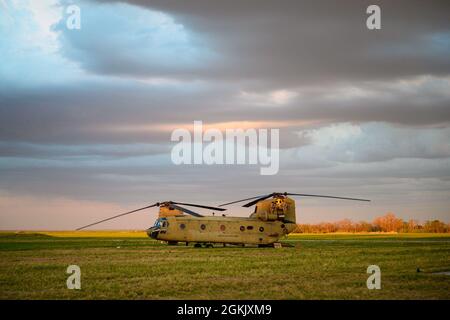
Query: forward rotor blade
(200,206)
(322,196)
(192,213)
(119,215)
(226,204)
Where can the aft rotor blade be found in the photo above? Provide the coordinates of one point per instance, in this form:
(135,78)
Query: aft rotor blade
(322,196)
(119,215)
(200,206)
(192,213)
(260,198)
(226,204)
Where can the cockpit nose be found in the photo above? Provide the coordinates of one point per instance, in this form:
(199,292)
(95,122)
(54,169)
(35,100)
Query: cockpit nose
(153,232)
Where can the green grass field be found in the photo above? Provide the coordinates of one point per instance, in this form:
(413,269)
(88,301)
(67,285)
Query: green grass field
(128,265)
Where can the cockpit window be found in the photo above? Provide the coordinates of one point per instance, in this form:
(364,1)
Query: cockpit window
(161,222)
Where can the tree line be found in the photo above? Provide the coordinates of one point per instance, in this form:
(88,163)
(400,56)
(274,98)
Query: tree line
(386,223)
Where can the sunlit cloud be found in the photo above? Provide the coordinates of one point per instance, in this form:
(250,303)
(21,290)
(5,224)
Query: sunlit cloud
(273,98)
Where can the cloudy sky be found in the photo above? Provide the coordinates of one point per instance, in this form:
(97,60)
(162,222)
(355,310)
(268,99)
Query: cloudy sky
(86,115)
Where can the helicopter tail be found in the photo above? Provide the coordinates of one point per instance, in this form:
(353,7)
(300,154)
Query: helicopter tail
(289,210)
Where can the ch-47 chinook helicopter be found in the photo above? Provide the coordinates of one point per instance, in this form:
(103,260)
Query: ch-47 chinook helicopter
(272,219)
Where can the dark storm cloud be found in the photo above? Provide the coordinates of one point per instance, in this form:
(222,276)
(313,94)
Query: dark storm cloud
(105,151)
(287,43)
(410,104)
(95,113)
(118,113)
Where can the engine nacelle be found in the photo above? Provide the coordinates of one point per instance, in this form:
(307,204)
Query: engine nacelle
(266,216)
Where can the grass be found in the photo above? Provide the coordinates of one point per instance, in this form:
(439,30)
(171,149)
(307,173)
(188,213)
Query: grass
(128,265)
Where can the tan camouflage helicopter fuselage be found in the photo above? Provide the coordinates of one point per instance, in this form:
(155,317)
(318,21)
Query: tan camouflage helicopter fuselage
(272,219)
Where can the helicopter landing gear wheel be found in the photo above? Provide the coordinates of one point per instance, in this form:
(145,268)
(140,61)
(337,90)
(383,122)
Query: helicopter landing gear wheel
(197,245)
(172,243)
(209,245)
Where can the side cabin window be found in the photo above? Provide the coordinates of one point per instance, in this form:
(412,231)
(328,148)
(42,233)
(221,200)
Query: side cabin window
(249,227)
